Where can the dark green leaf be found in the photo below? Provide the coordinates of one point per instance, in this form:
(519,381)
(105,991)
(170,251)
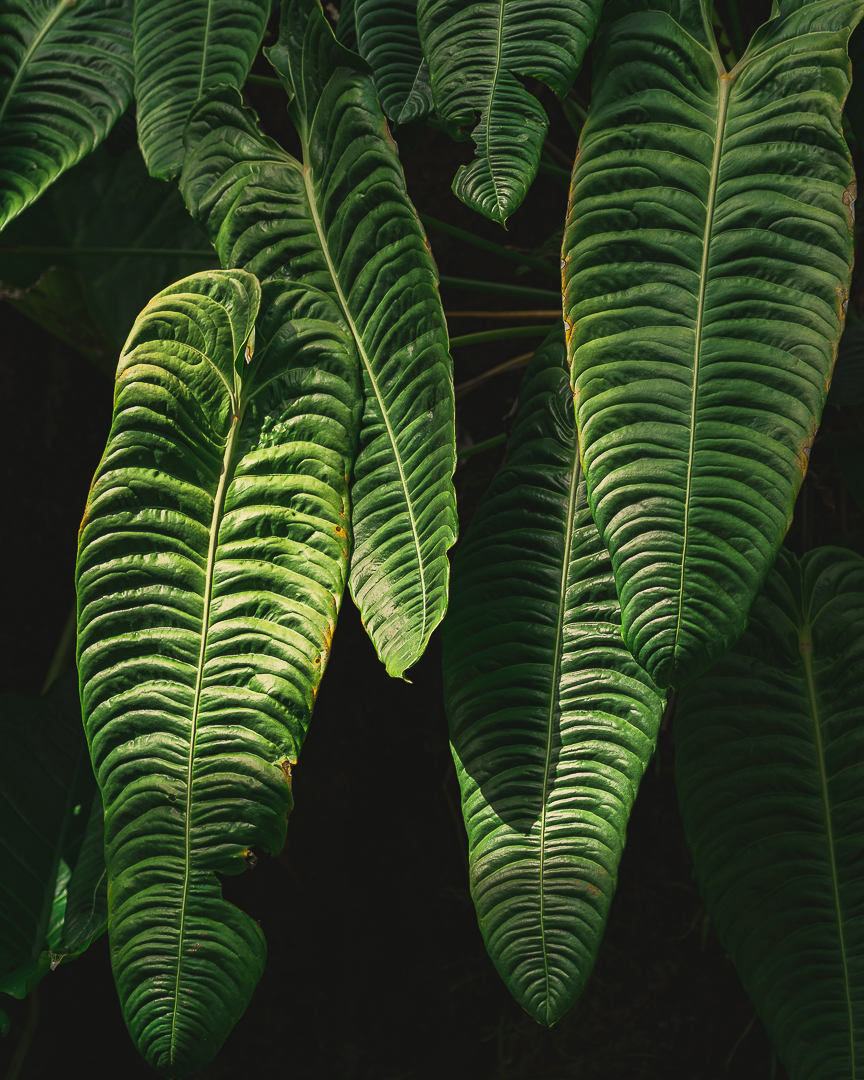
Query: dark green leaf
(847,381)
(770,773)
(475,49)
(65,78)
(552,722)
(181,51)
(342,222)
(706,263)
(86,914)
(212,561)
(387,38)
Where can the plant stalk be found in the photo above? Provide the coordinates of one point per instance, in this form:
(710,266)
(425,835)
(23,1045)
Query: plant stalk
(500,289)
(506,334)
(488,245)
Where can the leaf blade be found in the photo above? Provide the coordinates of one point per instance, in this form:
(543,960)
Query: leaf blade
(388,40)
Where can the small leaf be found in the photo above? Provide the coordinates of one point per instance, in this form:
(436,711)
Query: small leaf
(65,79)
(552,722)
(769,766)
(181,51)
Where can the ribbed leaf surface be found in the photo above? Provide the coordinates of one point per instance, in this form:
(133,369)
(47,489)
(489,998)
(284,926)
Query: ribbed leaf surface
(706,265)
(770,773)
(475,49)
(342,222)
(212,560)
(552,722)
(388,40)
(65,78)
(181,51)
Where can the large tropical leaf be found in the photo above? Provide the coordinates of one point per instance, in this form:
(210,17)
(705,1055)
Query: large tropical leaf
(341,222)
(475,50)
(181,51)
(65,78)
(385,34)
(49,813)
(109,200)
(706,266)
(770,773)
(212,560)
(552,722)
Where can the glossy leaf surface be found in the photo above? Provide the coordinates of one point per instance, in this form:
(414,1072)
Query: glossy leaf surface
(341,222)
(65,78)
(552,722)
(707,263)
(770,773)
(212,561)
(475,49)
(181,51)
(386,36)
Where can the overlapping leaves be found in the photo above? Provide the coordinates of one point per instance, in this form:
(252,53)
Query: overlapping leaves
(770,775)
(475,50)
(706,264)
(65,78)
(341,222)
(212,560)
(552,722)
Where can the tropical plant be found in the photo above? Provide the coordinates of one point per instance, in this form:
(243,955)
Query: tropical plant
(284,426)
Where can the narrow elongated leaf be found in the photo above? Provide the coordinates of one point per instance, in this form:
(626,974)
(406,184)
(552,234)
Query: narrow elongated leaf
(65,78)
(181,51)
(770,771)
(706,265)
(387,38)
(342,222)
(552,722)
(475,49)
(212,561)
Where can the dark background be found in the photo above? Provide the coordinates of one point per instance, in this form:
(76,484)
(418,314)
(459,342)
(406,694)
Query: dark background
(376,968)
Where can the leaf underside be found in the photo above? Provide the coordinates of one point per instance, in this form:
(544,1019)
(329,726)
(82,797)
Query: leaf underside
(388,40)
(212,561)
(181,51)
(552,722)
(707,263)
(475,49)
(770,773)
(65,79)
(341,224)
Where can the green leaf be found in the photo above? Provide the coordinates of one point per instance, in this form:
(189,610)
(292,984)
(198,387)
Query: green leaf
(65,79)
(551,720)
(770,770)
(181,51)
(847,380)
(342,222)
(707,262)
(387,38)
(212,561)
(92,301)
(475,50)
(46,790)
(86,913)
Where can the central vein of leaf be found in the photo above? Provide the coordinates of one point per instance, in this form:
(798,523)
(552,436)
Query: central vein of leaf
(553,705)
(204,48)
(367,363)
(218,505)
(806,648)
(722,106)
(56,14)
(492,88)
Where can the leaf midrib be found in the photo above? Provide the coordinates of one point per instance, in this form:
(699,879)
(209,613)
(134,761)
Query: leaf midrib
(313,208)
(553,702)
(498,49)
(805,640)
(205,46)
(62,7)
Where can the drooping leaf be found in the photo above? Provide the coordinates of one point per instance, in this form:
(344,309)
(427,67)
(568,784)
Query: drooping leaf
(386,36)
(847,380)
(552,722)
(212,560)
(770,770)
(109,200)
(475,50)
(181,51)
(46,792)
(65,78)
(86,913)
(706,265)
(342,222)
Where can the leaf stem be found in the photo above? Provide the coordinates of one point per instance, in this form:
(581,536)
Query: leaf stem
(488,245)
(478,448)
(507,333)
(264,80)
(20,1055)
(156,253)
(509,365)
(500,289)
(65,652)
(502,314)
